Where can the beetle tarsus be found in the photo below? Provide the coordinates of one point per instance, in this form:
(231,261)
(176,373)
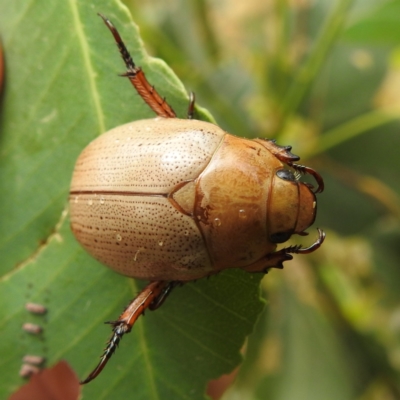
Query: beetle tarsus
(154,292)
(298,249)
(130,65)
(276,259)
(119,330)
(229,173)
(138,78)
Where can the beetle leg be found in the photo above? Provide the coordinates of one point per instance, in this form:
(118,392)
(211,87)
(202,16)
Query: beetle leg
(306,250)
(282,153)
(313,173)
(275,260)
(135,74)
(192,100)
(151,297)
(159,300)
(272,260)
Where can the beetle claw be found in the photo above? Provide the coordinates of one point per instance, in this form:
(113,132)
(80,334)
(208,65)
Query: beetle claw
(138,78)
(298,249)
(229,173)
(154,292)
(119,330)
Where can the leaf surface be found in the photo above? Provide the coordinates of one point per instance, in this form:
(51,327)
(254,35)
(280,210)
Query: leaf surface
(61,91)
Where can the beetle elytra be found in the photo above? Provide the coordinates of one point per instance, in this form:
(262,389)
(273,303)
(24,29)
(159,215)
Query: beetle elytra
(173,200)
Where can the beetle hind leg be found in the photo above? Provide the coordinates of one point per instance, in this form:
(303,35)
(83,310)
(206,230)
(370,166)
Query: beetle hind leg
(138,79)
(151,297)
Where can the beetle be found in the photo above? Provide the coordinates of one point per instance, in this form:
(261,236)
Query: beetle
(173,200)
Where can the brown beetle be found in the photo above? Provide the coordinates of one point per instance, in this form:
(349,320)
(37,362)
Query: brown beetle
(172,200)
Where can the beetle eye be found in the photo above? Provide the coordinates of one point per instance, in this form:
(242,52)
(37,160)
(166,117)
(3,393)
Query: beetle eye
(286,175)
(280,237)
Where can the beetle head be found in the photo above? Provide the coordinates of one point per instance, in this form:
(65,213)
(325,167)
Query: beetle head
(292,206)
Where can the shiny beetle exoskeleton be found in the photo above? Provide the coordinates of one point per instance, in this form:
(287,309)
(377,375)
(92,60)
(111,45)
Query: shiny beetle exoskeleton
(172,200)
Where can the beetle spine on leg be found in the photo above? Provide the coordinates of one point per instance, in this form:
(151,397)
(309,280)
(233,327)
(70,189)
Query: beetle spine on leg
(138,79)
(298,249)
(151,297)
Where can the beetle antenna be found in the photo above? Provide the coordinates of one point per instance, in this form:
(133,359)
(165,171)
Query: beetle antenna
(151,297)
(307,170)
(283,154)
(297,175)
(138,78)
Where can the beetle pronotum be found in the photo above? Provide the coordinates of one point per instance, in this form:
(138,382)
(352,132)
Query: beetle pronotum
(173,200)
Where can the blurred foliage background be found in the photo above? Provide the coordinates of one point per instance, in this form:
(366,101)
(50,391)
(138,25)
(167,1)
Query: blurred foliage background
(324,77)
(320,75)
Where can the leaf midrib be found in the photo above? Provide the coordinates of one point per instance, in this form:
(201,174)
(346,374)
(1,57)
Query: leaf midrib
(88,66)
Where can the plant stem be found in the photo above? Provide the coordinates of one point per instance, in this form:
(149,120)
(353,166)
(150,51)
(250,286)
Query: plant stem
(313,64)
(353,128)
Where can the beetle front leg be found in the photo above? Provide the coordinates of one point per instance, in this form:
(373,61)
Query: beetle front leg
(135,74)
(151,297)
(275,260)
(313,173)
(283,154)
(272,260)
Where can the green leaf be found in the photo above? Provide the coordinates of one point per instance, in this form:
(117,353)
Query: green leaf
(379,25)
(62,90)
